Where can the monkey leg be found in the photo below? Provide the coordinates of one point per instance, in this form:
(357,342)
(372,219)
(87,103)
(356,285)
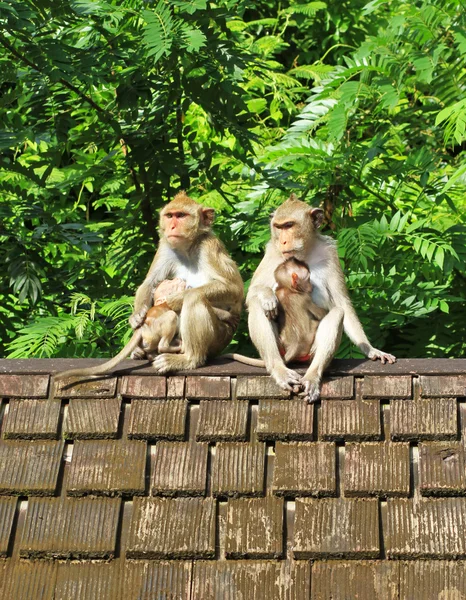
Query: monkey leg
(263,334)
(201,332)
(168,329)
(326,343)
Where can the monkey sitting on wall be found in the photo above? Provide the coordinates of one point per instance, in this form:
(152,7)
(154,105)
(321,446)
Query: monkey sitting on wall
(190,251)
(294,233)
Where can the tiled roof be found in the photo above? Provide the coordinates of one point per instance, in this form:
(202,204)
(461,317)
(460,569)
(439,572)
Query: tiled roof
(215,485)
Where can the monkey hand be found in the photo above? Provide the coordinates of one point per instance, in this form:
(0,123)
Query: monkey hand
(311,390)
(286,378)
(138,318)
(375,354)
(269,304)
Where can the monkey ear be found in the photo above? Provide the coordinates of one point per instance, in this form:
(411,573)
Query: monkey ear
(294,280)
(317,217)
(208,216)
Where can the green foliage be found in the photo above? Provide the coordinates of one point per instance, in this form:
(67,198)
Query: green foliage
(108,108)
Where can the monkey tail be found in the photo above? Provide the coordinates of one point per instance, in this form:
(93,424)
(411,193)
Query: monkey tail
(109,365)
(252,362)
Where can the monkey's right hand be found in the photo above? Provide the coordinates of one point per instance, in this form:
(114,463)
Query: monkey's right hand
(138,318)
(286,378)
(269,304)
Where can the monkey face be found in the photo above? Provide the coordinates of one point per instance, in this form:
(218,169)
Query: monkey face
(182,220)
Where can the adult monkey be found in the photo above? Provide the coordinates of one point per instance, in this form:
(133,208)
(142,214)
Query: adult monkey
(294,229)
(188,250)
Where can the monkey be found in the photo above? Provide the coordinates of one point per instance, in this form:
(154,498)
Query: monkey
(189,250)
(298,315)
(294,233)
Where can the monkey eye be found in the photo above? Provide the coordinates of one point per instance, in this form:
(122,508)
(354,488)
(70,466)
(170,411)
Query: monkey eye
(288,225)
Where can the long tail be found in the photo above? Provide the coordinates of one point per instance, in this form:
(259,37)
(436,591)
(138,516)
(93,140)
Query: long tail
(253,362)
(109,365)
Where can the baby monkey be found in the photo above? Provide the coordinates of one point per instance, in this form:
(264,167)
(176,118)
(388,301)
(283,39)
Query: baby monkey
(298,315)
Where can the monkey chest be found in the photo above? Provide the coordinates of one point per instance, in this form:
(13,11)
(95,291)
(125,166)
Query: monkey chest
(193,276)
(319,292)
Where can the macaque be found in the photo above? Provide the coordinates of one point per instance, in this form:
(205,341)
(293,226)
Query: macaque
(190,251)
(294,233)
(298,315)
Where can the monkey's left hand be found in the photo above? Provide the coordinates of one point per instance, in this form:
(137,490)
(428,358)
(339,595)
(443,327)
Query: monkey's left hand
(374,354)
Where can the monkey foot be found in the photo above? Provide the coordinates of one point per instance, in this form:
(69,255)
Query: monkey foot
(138,354)
(164,363)
(311,390)
(384,357)
(287,379)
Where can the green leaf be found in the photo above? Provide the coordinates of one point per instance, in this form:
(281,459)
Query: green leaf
(194,39)
(158,31)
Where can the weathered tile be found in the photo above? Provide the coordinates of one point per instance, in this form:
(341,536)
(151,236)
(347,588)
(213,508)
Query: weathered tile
(158,419)
(442,385)
(432,579)
(77,387)
(30,580)
(7,515)
(377,469)
(180,468)
(337,387)
(154,580)
(254,528)
(143,386)
(259,387)
(285,420)
(92,418)
(175,386)
(350,420)
(304,469)
(394,386)
(29,468)
(88,581)
(222,420)
(426,419)
(251,580)
(70,528)
(426,528)
(364,580)
(108,467)
(32,419)
(207,387)
(336,527)
(442,469)
(24,386)
(172,528)
(238,469)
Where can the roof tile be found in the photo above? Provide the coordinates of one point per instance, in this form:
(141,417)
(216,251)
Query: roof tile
(304,469)
(143,386)
(285,420)
(364,580)
(222,420)
(158,419)
(75,387)
(7,515)
(30,580)
(172,528)
(259,387)
(443,385)
(254,528)
(88,581)
(175,386)
(424,419)
(442,469)
(29,468)
(238,469)
(92,418)
(108,467)
(251,580)
(350,420)
(21,386)
(336,527)
(180,468)
(337,387)
(436,579)
(32,419)
(426,528)
(208,387)
(70,528)
(375,386)
(164,580)
(377,469)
